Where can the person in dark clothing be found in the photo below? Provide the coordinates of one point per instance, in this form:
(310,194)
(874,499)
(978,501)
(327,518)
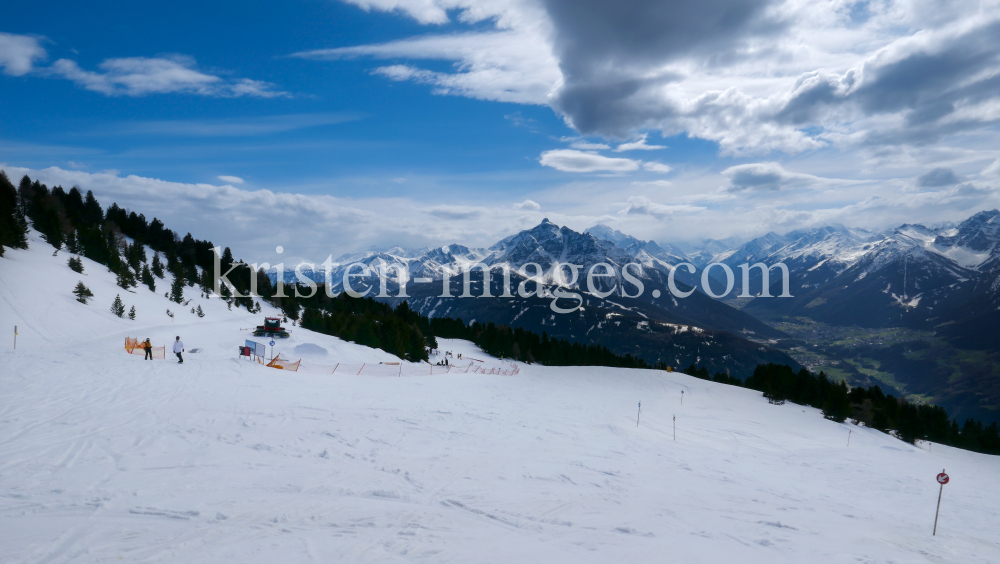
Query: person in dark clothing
(149,349)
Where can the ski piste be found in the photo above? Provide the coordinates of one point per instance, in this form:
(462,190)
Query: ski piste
(106,456)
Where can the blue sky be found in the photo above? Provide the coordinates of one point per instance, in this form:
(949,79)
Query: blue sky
(424,122)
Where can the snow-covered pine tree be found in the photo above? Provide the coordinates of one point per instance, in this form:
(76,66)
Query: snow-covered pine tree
(131,313)
(147,278)
(82,293)
(157,266)
(170,314)
(117,307)
(200,312)
(75,264)
(177,289)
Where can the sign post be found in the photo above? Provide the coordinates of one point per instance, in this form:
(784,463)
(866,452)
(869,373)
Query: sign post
(942,479)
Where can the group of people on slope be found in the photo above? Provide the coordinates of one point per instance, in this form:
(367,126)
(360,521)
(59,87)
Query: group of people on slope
(178,349)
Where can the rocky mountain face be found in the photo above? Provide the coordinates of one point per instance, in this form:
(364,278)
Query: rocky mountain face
(910,276)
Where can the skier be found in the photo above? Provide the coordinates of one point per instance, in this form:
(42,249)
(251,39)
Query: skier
(149,349)
(178,349)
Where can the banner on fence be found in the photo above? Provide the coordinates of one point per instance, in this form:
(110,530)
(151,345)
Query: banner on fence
(283,364)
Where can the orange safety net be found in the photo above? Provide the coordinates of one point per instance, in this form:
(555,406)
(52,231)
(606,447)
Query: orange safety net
(283,364)
(134,346)
(406,369)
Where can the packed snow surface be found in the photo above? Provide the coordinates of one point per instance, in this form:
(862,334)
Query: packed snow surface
(105,457)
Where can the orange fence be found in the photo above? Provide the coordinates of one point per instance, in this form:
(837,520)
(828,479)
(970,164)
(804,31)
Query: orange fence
(406,369)
(134,346)
(283,364)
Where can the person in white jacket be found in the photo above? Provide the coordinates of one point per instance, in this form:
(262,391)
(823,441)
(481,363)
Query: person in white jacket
(178,349)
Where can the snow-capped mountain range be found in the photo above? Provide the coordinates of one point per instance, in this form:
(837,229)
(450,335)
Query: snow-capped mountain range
(912,275)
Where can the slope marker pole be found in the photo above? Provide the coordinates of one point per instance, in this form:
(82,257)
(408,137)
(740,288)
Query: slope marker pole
(637,414)
(942,479)
(849,436)
(675,427)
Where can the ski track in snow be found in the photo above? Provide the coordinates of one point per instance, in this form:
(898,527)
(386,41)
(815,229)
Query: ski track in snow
(107,457)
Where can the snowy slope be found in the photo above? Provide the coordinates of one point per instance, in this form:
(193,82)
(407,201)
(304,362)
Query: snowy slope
(106,457)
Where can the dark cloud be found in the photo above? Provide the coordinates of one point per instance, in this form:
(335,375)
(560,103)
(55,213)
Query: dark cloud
(938,177)
(925,85)
(606,51)
(609,51)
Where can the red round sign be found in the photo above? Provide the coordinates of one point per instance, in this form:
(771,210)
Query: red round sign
(942,478)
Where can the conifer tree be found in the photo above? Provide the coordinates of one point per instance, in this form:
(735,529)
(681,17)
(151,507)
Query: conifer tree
(13,226)
(82,293)
(177,289)
(147,278)
(200,312)
(76,265)
(157,266)
(125,278)
(72,244)
(117,307)
(131,313)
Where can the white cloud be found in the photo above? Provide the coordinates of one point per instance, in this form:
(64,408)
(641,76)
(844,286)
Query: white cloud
(456,212)
(233,127)
(584,146)
(657,183)
(308,225)
(139,76)
(641,205)
(18,53)
(638,145)
(424,11)
(571,160)
(507,65)
(769,176)
(528,205)
(993,170)
(657,167)
(130,76)
(231,179)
